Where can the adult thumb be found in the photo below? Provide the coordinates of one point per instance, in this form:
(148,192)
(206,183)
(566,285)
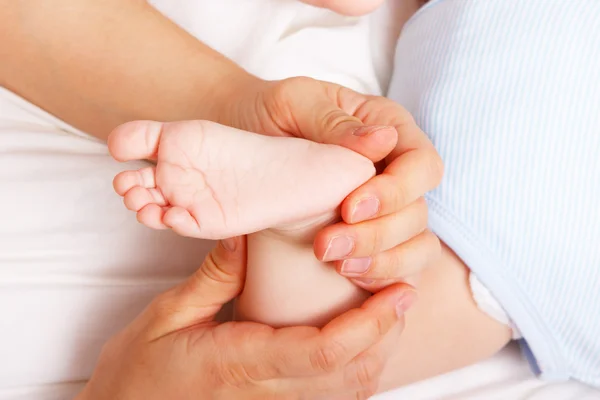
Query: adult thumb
(325,121)
(197,300)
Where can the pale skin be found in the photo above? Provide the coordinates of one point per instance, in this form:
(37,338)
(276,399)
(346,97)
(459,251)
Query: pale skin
(176,350)
(215,182)
(94,91)
(198,191)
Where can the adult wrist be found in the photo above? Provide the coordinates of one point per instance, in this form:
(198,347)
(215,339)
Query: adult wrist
(228,90)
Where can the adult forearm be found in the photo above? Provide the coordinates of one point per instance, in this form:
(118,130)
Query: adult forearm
(97,64)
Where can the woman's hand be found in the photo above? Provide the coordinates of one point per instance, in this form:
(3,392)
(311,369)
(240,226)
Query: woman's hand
(383,237)
(175,350)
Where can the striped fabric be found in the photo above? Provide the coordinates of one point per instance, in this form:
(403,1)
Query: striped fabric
(509,92)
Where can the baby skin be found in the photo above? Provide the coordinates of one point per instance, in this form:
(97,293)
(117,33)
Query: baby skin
(213,182)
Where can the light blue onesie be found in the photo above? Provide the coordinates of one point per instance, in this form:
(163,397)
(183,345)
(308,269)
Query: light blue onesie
(509,93)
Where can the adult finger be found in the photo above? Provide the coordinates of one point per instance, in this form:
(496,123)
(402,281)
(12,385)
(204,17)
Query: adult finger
(360,377)
(219,279)
(413,166)
(403,181)
(396,264)
(364,372)
(343,241)
(297,352)
(383,111)
(377,285)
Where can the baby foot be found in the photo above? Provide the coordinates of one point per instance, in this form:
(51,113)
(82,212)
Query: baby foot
(213,182)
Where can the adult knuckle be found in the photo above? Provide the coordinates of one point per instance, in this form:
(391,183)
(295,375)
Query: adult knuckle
(398,195)
(382,266)
(213,270)
(231,374)
(376,241)
(377,327)
(421,211)
(287,87)
(435,167)
(334,118)
(366,393)
(433,242)
(368,371)
(395,265)
(326,357)
(404,116)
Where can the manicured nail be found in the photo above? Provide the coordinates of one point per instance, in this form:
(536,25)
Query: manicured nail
(338,248)
(367,130)
(229,244)
(356,266)
(365,209)
(405,301)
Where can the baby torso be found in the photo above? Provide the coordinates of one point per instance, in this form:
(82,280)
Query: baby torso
(509,92)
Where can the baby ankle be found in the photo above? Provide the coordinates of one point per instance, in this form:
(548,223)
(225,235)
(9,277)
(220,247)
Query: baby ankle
(305,231)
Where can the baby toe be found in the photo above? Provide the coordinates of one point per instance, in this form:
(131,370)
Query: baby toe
(182,222)
(136,140)
(151,216)
(127,180)
(138,197)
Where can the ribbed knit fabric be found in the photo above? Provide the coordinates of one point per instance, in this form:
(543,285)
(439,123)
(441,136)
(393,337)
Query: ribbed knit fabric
(509,92)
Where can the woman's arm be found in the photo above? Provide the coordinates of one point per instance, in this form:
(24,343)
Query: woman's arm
(97,64)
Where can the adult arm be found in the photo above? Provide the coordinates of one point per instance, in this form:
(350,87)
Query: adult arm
(98,64)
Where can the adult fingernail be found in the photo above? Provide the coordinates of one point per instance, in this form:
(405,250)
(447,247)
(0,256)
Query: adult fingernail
(365,209)
(229,244)
(405,301)
(338,247)
(367,130)
(356,266)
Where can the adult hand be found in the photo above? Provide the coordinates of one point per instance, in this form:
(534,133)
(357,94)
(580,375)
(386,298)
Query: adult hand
(383,237)
(175,350)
